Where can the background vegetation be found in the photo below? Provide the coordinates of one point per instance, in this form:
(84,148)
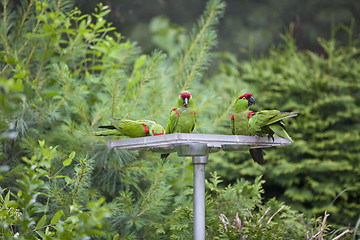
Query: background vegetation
(248,25)
(63,72)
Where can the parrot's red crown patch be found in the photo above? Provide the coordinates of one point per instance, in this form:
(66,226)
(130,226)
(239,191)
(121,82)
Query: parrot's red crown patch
(185,95)
(246,95)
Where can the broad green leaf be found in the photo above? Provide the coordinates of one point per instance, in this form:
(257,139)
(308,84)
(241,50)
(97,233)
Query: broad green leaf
(41,222)
(41,234)
(57,217)
(72,155)
(67,162)
(68,180)
(7,198)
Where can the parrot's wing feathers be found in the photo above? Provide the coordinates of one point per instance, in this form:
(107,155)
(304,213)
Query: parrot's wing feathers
(268,117)
(172,121)
(261,119)
(146,122)
(119,123)
(282,115)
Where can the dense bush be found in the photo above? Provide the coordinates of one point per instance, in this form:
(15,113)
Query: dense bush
(320,171)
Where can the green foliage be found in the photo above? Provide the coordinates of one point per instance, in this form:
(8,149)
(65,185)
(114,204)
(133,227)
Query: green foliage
(320,171)
(250,25)
(34,210)
(63,73)
(236,211)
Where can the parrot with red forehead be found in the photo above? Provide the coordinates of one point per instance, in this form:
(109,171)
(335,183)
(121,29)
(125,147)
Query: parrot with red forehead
(266,122)
(182,118)
(131,128)
(239,120)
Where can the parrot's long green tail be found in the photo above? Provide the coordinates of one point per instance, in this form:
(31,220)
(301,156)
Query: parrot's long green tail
(279,130)
(258,155)
(288,114)
(110,132)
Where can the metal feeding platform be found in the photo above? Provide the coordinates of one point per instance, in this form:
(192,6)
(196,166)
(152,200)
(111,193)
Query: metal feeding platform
(197,146)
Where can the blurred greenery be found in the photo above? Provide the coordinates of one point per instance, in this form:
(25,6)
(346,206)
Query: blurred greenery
(247,25)
(63,72)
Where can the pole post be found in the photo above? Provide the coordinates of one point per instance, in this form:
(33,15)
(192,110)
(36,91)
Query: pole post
(199,154)
(199,196)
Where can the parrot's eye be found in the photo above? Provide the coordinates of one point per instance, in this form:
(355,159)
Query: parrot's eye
(244,98)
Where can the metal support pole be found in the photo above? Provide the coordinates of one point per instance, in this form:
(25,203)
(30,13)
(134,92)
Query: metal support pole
(199,196)
(199,153)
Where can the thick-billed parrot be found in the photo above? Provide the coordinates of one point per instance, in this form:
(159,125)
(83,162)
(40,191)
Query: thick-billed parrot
(182,118)
(131,128)
(266,122)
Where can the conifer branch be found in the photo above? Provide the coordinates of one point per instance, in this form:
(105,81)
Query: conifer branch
(35,28)
(97,117)
(24,18)
(222,116)
(147,76)
(114,96)
(41,63)
(197,65)
(31,53)
(83,115)
(144,207)
(3,70)
(81,177)
(214,10)
(3,35)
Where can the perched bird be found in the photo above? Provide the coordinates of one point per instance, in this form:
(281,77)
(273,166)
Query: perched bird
(131,128)
(182,118)
(246,122)
(239,120)
(239,123)
(270,122)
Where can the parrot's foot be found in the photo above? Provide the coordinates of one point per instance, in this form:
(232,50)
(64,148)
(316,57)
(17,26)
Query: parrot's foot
(257,136)
(272,137)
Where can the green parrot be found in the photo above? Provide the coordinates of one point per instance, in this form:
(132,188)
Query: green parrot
(246,122)
(270,122)
(182,118)
(239,120)
(239,123)
(131,128)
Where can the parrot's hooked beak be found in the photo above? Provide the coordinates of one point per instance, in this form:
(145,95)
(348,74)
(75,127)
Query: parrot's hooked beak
(186,102)
(251,101)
